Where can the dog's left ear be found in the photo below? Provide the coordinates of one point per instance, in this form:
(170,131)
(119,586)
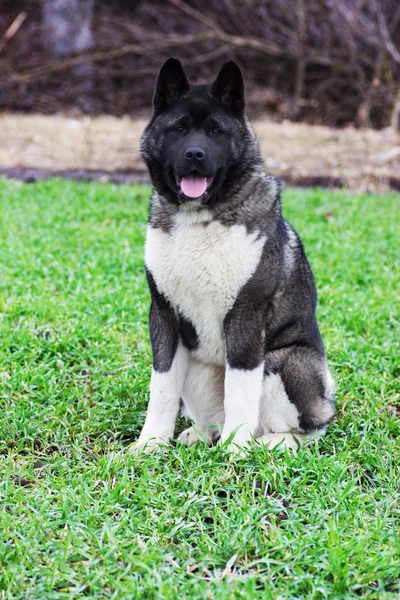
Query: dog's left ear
(171,84)
(229,87)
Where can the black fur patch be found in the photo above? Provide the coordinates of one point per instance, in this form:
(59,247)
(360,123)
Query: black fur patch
(164,328)
(188,333)
(244,335)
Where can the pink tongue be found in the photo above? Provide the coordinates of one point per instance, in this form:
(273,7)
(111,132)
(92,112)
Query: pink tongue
(193,187)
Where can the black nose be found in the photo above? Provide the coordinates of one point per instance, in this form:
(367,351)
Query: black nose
(195,152)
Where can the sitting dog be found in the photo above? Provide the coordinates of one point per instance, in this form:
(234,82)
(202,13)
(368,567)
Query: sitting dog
(235,340)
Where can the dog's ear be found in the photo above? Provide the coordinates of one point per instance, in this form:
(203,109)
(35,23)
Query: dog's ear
(229,87)
(171,84)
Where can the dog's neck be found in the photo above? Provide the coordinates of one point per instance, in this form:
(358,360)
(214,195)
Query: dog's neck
(257,198)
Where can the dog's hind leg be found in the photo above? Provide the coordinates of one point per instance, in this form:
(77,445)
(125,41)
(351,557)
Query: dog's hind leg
(203,399)
(297,397)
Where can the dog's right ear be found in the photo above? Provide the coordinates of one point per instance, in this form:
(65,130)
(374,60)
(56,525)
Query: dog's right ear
(171,84)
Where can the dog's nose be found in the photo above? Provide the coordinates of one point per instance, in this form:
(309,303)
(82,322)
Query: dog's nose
(195,152)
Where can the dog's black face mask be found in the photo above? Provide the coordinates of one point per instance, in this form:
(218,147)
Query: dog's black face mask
(195,141)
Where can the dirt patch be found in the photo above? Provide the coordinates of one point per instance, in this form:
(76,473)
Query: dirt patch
(107,149)
(30,175)
(130,176)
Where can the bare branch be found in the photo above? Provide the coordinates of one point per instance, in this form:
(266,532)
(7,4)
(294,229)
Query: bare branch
(197,15)
(387,40)
(12,30)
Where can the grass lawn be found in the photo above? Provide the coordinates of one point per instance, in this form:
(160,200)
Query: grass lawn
(80,517)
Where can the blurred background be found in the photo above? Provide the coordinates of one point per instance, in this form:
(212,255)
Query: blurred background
(322,76)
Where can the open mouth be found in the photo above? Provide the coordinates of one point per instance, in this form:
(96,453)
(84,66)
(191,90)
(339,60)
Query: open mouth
(194,185)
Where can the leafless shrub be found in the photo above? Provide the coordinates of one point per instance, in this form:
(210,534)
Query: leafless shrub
(330,61)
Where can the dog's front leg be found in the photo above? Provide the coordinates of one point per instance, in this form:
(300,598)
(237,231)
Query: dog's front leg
(244,338)
(165,393)
(170,360)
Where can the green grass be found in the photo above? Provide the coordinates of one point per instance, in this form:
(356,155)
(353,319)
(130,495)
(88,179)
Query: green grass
(80,517)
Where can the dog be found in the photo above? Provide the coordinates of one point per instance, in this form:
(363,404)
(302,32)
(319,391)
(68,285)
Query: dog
(234,335)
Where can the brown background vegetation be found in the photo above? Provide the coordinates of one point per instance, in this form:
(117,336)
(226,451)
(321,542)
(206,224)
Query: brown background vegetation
(333,62)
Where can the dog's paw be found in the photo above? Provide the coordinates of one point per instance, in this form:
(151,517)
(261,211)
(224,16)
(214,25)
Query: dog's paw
(192,435)
(237,441)
(189,436)
(236,450)
(240,447)
(146,446)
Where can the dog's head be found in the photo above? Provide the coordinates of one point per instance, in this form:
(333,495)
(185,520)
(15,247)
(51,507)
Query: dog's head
(198,142)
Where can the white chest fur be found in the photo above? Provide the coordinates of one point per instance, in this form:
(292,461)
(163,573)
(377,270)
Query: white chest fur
(200,266)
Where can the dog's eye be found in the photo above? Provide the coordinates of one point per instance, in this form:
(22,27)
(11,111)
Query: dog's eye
(215,131)
(179,129)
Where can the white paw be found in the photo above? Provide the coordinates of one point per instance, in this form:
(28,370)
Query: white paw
(241,438)
(192,435)
(146,446)
(189,436)
(238,450)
